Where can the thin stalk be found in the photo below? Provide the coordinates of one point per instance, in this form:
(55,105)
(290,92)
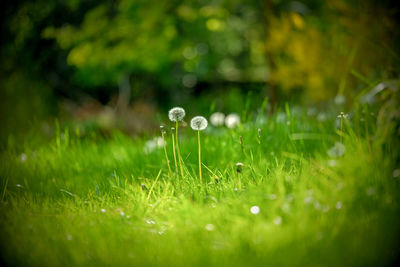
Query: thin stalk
(177,148)
(173,148)
(166,155)
(198,138)
(341,129)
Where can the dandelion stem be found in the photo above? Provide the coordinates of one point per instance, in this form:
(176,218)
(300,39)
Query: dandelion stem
(177,148)
(341,129)
(198,138)
(173,148)
(166,155)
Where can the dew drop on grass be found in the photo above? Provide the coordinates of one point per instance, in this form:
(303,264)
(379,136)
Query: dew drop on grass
(255,210)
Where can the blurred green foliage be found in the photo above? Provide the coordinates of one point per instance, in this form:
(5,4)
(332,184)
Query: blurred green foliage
(175,52)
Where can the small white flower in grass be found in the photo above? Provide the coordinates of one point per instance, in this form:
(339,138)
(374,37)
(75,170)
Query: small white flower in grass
(217,119)
(122,213)
(278,220)
(339,205)
(255,210)
(210,227)
(69,237)
(176,114)
(232,120)
(198,123)
(103,210)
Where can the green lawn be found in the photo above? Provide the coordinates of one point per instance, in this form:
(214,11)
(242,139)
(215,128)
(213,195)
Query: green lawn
(82,199)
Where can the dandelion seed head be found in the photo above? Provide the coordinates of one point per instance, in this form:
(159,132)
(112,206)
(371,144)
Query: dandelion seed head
(272,197)
(210,227)
(278,220)
(153,144)
(162,129)
(239,167)
(370,191)
(255,210)
(198,123)
(176,114)
(22,157)
(321,117)
(232,120)
(343,115)
(340,99)
(337,150)
(217,119)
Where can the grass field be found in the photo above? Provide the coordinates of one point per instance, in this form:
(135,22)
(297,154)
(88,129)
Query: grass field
(87,200)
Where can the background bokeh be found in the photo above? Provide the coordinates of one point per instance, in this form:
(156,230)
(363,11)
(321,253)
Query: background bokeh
(119,64)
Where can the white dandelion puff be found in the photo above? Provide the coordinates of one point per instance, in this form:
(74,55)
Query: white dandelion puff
(278,220)
(232,120)
(210,227)
(342,115)
(217,119)
(153,144)
(176,114)
(255,210)
(340,100)
(198,123)
(337,150)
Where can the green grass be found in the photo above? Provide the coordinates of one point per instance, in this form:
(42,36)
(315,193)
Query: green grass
(93,201)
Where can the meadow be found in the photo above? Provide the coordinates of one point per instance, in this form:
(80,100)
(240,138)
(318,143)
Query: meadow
(299,198)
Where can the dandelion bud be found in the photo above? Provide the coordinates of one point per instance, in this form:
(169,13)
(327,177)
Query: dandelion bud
(239,167)
(198,123)
(176,114)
